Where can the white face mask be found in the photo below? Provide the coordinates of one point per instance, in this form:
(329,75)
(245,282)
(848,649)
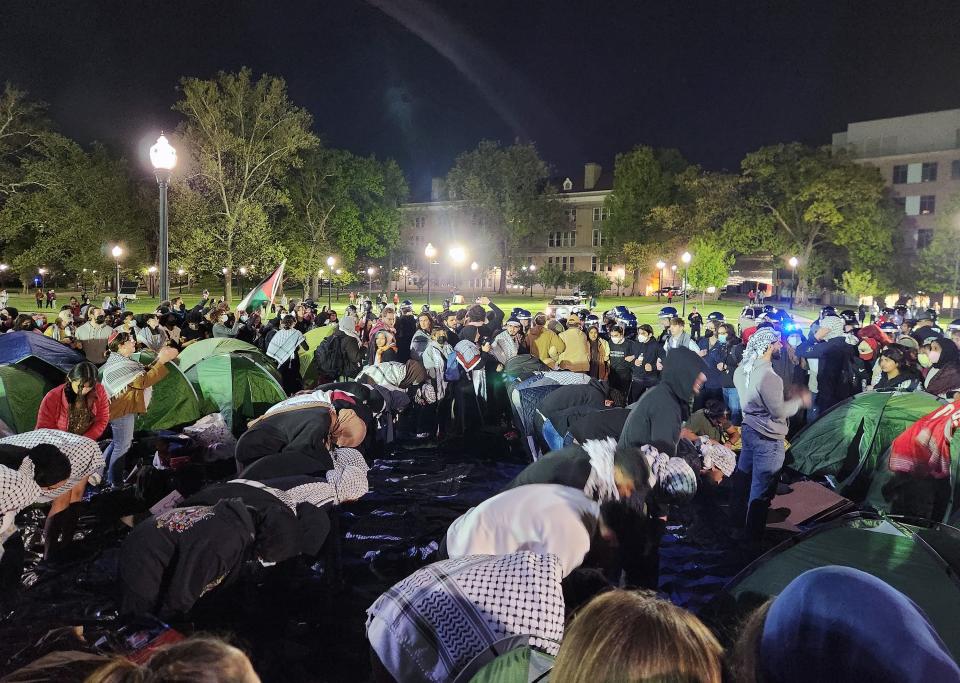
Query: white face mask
(616,338)
(934,356)
(223,318)
(643,337)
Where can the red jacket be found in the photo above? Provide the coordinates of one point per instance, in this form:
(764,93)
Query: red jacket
(55,414)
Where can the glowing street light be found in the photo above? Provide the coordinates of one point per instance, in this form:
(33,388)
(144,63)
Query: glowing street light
(686,258)
(370,271)
(660,266)
(430,252)
(164,158)
(117,252)
(794,262)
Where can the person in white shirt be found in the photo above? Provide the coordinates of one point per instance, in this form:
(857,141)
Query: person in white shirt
(541,518)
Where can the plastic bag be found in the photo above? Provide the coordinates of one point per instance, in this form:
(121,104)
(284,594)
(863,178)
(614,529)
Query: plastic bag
(213,434)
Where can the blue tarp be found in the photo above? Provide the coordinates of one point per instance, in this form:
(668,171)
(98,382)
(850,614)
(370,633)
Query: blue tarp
(18,346)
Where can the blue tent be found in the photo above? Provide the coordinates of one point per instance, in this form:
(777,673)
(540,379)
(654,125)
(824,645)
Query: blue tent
(30,348)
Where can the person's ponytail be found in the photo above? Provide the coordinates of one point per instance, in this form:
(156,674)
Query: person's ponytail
(120,670)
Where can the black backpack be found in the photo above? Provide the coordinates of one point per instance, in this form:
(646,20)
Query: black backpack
(329,356)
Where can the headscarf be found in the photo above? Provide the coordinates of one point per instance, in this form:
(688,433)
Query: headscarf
(842,624)
(760,341)
(347,429)
(874,332)
(349,327)
(834,326)
(949,353)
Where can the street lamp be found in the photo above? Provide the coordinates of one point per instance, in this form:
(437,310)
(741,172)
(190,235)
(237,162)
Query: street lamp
(163,157)
(153,280)
(330,262)
(117,253)
(794,261)
(458,256)
(180,272)
(430,251)
(673,278)
(243,274)
(685,257)
(370,271)
(41,272)
(660,266)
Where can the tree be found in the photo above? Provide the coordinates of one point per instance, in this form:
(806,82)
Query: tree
(506,188)
(23,125)
(644,179)
(525,278)
(809,202)
(591,284)
(69,206)
(551,275)
(241,138)
(710,265)
(858,283)
(340,204)
(938,267)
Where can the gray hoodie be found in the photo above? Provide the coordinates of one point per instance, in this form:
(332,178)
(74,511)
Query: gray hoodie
(762,403)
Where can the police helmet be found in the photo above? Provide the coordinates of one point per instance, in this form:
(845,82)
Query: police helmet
(592,321)
(716,316)
(667,312)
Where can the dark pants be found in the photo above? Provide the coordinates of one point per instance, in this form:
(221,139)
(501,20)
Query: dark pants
(286,465)
(290,378)
(758,471)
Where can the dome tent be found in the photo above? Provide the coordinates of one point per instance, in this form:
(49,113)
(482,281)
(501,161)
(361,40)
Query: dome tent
(236,385)
(21,391)
(39,353)
(174,401)
(217,346)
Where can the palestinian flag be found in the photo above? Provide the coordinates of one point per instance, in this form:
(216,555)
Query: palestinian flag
(265,292)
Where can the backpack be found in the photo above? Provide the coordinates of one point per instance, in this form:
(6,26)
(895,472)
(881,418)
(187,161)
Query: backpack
(329,356)
(453,370)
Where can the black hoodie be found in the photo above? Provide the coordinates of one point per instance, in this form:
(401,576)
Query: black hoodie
(656,418)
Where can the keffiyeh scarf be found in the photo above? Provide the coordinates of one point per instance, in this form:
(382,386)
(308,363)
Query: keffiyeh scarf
(756,347)
(434,623)
(118,373)
(468,356)
(284,344)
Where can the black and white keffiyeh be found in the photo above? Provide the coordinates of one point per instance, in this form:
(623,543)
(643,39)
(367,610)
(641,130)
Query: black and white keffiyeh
(346,482)
(435,622)
(83,453)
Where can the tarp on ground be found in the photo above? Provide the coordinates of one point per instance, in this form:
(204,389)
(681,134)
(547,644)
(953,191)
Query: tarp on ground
(235,385)
(28,348)
(920,562)
(218,346)
(849,441)
(307,370)
(174,401)
(21,391)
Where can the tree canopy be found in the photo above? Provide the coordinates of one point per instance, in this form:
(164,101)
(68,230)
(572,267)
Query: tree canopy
(506,189)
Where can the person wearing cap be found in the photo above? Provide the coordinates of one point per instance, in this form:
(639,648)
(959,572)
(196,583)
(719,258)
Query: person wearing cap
(923,330)
(765,416)
(576,347)
(834,354)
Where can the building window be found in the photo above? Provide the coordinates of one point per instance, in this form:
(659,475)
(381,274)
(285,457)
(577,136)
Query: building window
(601,213)
(550,240)
(593,264)
(899,174)
(955,169)
(901,202)
(564,263)
(420,222)
(573,238)
(911,205)
(927,204)
(598,240)
(567,185)
(571,215)
(928,172)
(924,238)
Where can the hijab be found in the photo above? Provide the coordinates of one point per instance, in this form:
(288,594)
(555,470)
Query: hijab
(415,374)
(949,354)
(842,624)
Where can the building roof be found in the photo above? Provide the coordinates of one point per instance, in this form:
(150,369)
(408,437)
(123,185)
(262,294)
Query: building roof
(604,182)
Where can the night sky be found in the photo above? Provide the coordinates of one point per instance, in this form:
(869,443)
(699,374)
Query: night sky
(421,82)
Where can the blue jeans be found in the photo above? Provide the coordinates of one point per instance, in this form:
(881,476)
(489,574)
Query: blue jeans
(732,399)
(552,436)
(122,429)
(762,459)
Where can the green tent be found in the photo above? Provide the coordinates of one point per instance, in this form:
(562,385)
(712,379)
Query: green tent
(849,441)
(236,385)
(218,346)
(173,403)
(520,665)
(21,391)
(313,337)
(920,562)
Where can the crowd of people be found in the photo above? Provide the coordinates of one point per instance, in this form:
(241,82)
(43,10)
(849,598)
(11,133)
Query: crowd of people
(561,562)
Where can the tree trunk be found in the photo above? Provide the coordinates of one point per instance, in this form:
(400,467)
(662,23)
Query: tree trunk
(633,285)
(504,264)
(315,286)
(228,282)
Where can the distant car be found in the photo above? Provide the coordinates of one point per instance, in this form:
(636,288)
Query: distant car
(561,306)
(677,291)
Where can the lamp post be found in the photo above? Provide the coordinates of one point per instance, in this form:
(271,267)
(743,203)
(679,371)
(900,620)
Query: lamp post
(673,278)
(430,251)
(793,280)
(330,262)
(152,270)
(685,257)
(370,272)
(473,268)
(660,266)
(41,272)
(458,256)
(180,273)
(243,274)
(163,157)
(117,253)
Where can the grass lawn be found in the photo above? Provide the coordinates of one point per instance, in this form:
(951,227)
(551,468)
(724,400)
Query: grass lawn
(645,308)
